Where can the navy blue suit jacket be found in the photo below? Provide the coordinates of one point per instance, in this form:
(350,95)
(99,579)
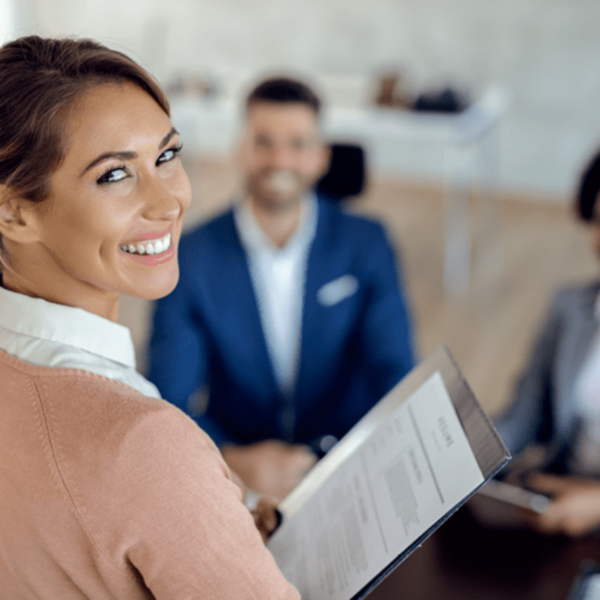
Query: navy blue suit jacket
(208,332)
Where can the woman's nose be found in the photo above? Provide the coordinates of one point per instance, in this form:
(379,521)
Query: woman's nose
(161,202)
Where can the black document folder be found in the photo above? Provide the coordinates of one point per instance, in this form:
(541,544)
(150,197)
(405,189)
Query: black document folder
(397,475)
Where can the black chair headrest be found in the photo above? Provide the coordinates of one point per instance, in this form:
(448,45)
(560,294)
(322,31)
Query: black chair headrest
(347,172)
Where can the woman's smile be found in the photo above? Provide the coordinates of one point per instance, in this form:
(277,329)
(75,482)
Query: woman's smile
(154,247)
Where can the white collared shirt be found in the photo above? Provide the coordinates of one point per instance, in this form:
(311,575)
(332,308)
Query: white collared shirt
(53,335)
(586,451)
(278,277)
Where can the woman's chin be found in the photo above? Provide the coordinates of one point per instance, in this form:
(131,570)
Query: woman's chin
(157,288)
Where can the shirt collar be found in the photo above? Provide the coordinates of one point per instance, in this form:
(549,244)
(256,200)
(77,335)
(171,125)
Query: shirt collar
(254,239)
(67,325)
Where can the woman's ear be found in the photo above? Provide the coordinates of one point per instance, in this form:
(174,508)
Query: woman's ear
(18,217)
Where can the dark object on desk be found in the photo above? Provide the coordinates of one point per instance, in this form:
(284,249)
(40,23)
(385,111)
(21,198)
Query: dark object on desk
(392,91)
(446,100)
(347,172)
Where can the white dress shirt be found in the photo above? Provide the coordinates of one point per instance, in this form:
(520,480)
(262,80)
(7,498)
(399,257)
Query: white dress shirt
(278,277)
(586,452)
(53,335)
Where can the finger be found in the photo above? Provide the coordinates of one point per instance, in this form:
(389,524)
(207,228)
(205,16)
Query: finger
(546,483)
(547,524)
(264,534)
(259,522)
(267,517)
(266,507)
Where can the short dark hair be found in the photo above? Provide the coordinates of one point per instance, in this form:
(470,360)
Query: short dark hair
(589,187)
(284,90)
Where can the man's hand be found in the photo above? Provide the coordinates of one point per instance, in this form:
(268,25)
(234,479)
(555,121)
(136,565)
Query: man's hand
(270,467)
(575,508)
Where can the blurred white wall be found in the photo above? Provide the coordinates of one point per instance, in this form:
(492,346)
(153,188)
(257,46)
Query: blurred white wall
(545,51)
(8,19)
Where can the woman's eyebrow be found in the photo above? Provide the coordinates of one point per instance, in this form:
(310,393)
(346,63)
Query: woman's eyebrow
(167,138)
(127,155)
(106,156)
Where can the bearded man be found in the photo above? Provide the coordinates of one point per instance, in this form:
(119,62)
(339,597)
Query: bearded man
(288,312)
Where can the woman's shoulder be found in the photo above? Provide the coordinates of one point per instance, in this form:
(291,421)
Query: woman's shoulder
(113,445)
(94,423)
(85,403)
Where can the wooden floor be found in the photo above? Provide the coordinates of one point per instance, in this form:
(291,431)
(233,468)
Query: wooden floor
(537,247)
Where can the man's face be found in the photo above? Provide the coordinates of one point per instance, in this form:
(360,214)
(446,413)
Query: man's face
(281,153)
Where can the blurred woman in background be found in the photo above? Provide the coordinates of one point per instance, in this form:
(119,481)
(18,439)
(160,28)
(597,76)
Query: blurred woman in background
(557,399)
(106,491)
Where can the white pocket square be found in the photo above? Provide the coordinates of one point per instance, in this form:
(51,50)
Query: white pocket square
(337,290)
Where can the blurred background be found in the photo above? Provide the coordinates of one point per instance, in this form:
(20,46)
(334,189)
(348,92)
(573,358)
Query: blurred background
(477,198)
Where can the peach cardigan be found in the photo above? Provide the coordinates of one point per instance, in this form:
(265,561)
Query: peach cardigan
(109,494)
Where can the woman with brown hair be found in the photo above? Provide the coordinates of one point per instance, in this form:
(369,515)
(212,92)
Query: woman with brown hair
(106,491)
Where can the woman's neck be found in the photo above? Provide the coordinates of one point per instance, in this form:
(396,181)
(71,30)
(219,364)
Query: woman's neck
(15,282)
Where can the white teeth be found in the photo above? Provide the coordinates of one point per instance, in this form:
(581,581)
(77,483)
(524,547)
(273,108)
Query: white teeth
(283,181)
(153,247)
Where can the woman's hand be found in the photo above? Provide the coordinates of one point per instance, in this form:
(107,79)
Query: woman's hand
(575,508)
(266,517)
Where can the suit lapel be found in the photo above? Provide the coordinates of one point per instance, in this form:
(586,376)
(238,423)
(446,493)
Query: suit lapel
(248,306)
(587,329)
(312,318)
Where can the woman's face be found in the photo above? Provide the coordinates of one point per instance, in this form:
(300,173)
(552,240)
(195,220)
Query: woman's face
(112,223)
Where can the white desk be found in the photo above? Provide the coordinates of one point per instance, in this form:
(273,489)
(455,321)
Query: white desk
(462,137)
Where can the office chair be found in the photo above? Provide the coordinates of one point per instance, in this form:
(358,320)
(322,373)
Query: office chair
(347,173)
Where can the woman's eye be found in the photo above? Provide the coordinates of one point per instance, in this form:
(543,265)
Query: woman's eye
(113,175)
(169,154)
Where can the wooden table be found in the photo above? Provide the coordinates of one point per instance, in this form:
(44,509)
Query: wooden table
(464,559)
